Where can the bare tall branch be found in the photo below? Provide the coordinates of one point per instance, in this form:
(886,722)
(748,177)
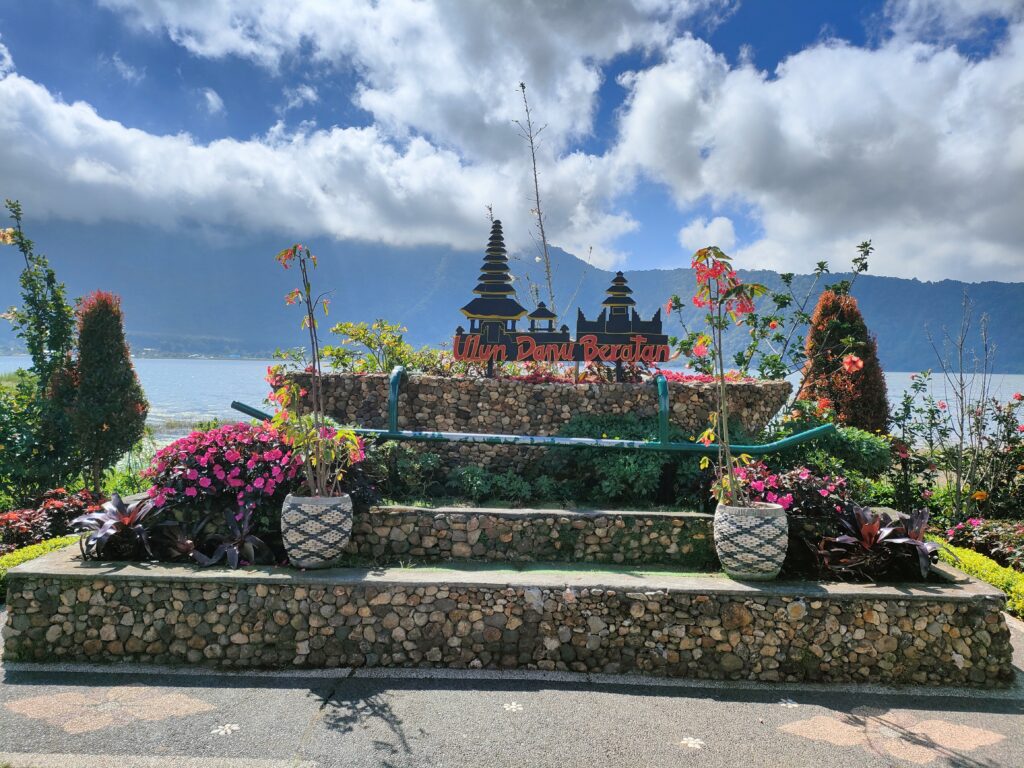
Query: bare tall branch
(527,132)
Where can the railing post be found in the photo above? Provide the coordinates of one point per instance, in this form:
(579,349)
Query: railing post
(662,385)
(395,383)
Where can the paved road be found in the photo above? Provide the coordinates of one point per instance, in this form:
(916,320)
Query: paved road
(98,717)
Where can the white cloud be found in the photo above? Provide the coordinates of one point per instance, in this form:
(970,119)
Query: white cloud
(448,70)
(297,97)
(910,144)
(948,19)
(701,233)
(6,62)
(65,160)
(127,71)
(212,101)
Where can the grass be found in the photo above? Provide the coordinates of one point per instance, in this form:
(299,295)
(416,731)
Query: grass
(23,555)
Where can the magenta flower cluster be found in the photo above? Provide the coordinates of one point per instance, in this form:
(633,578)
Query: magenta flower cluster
(236,463)
(799,491)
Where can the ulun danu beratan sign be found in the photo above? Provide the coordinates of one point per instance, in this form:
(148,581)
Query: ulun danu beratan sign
(618,334)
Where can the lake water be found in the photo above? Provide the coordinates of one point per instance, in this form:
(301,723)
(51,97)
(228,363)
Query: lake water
(181,391)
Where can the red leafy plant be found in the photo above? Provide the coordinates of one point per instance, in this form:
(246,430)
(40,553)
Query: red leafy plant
(23,527)
(231,465)
(876,546)
(118,531)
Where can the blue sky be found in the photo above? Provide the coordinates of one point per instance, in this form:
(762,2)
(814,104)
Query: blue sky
(786,131)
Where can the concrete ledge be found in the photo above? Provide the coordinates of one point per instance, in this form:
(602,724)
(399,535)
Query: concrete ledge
(388,534)
(542,617)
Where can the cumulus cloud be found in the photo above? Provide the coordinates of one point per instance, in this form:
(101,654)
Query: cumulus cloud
(700,233)
(448,70)
(911,144)
(6,62)
(350,183)
(212,101)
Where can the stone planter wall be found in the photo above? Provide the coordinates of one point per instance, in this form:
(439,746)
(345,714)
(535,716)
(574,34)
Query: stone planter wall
(611,622)
(392,534)
(507,406)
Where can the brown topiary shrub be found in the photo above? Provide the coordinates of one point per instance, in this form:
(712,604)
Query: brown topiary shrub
(842,370)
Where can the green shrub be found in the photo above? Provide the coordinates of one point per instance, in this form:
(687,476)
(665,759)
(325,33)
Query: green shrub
(474,483)
(513,488)
(976,564)
(624,476)
(25,554)
(108,411)
(403,472)
(547,488)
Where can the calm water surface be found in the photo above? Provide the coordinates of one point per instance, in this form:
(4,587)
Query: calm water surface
(181,392)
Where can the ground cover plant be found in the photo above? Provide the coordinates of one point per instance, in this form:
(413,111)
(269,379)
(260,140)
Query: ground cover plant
(23,555)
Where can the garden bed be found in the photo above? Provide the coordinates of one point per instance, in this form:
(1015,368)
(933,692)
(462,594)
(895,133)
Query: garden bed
(545,616)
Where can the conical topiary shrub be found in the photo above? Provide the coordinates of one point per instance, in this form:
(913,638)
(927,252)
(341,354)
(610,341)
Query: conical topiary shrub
(842,371)
(108,411)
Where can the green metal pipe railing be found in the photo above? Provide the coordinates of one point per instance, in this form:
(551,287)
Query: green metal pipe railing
(661,444)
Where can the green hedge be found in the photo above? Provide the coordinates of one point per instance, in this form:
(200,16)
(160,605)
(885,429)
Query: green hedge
(23,555)
(976,564)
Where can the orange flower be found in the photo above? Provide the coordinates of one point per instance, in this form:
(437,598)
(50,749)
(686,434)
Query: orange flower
(852,363)
(979,495)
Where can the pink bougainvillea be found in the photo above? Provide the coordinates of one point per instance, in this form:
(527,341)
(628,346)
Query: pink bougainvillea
(236,463)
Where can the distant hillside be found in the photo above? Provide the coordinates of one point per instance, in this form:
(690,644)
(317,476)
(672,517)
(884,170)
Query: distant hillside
(182,295)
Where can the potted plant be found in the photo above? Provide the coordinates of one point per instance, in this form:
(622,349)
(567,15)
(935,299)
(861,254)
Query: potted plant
(316,523)
(750,536)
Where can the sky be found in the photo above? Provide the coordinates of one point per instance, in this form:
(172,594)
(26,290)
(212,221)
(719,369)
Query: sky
(784,131)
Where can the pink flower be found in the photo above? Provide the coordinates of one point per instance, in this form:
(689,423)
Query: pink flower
(258,482)
(1018,396)
(823,492)
(160,500)
(190,491)
(942,405)
(786,500)
(758,485)
(852,363)
(205,482)
(772,497)
(191,474)
(232,455)
(1020,427)
(804,473)
(700,350)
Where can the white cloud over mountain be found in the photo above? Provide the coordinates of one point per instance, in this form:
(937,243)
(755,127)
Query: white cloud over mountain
(908,142)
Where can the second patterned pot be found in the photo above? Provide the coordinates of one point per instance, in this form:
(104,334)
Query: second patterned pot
(751,541)
(316,529)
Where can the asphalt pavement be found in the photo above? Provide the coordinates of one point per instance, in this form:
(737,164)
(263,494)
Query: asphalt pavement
(129,716)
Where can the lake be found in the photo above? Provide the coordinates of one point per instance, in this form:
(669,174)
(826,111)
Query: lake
(183,391)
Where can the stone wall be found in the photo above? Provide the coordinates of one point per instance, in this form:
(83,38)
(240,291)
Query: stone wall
(610,622)
(508,406)
(392,534)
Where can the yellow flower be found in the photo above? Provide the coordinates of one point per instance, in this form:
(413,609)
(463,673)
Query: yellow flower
(7,236)
(979,495)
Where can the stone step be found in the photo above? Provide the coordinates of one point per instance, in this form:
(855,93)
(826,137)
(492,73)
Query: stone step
(389,534)
(541,616)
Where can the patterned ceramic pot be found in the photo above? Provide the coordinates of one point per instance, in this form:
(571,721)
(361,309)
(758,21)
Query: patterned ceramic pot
(316,529)
(751,541)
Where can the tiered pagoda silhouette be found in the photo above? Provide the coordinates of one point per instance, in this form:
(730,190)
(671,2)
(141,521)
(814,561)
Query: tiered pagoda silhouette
(494,313)
(619,320)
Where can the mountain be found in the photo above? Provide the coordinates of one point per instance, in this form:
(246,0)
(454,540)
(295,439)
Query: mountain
(182,295)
